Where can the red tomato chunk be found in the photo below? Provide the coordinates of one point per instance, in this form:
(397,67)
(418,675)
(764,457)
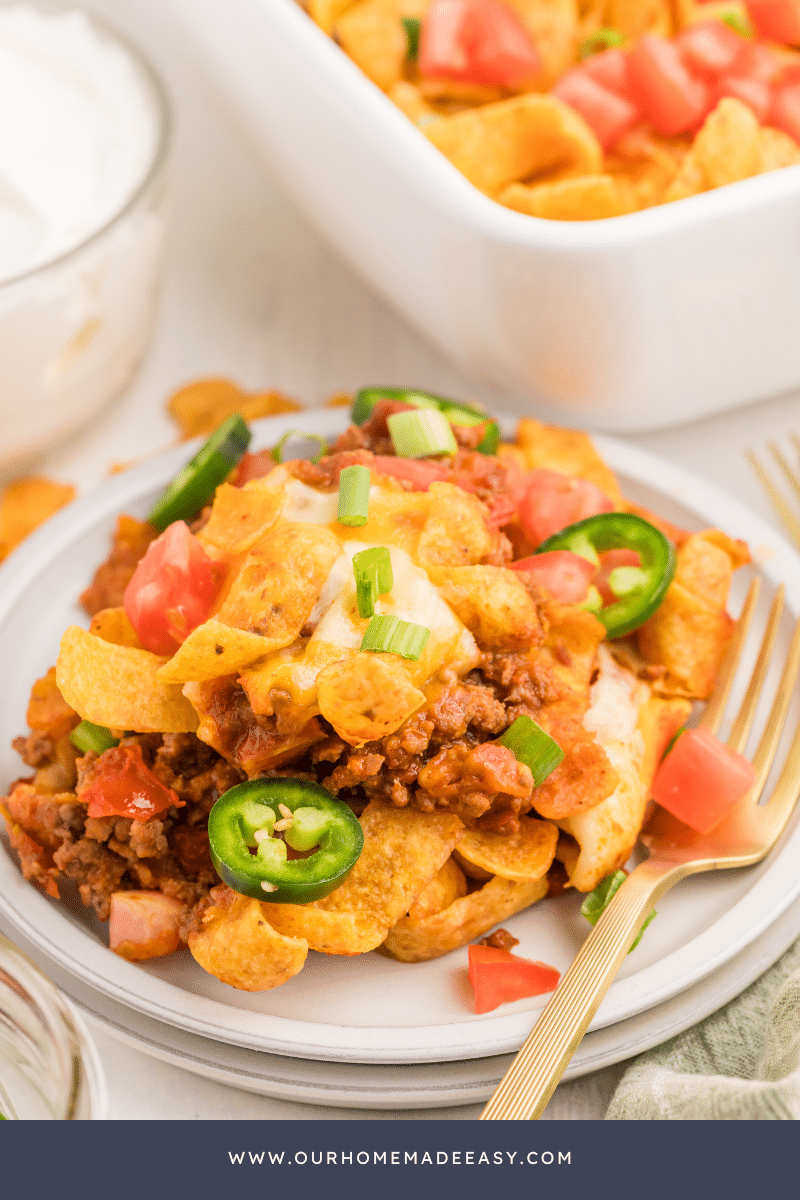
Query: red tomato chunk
(552,501)
(500,977)
(476,41)
(171,591)
(120,784)
(755,93)
(418,473)
(608,114)
(611,70)
(785,113)
(778,20)
(701,780)
(254,466)
(671,97)
(711,47)
(144,925)
(566,576)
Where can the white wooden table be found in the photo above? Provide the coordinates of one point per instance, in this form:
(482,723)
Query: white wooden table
(252,293)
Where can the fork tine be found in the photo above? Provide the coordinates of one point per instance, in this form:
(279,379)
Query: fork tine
(767,747)
(790,522)
(786,791)
(789,472)
(746,715)
(715,709)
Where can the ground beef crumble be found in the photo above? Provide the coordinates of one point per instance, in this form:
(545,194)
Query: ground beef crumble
(107,854)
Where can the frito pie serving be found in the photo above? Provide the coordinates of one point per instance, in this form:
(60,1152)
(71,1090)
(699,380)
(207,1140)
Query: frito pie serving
(584,109)
(381,696)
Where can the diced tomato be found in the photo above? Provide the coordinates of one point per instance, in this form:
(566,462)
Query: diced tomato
(671,97)
(171,591)
(254,466)
(476,41)
(755,93)
(418,473)
(566,576)
(501,510)
(144,924)
(608,562)
(120,784)
(552,501)
(711,47)
(785,112)
(700,780)
(765,62)
(777,20)
(500,977)
(605,112)
(610,68)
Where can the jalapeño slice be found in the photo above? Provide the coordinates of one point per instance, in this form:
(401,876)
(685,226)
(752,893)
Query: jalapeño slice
(640,590)
(254,862)
(199,479)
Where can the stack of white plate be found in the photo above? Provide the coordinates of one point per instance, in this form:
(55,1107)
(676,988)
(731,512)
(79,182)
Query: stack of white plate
(368,1031)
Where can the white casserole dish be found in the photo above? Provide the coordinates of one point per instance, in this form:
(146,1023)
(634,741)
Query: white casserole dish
(632,323)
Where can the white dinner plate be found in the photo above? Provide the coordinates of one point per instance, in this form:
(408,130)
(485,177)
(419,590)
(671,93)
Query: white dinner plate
(370,1009)
(414,1085)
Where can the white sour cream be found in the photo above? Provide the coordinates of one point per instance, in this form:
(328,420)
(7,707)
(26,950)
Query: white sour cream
(80,135)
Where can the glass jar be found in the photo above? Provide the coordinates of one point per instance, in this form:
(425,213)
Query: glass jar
(49,1067)
(74,329)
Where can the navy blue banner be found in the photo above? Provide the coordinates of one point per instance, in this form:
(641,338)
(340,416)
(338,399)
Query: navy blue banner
(397,1160)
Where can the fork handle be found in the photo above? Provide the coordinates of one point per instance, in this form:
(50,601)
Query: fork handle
(530,1081)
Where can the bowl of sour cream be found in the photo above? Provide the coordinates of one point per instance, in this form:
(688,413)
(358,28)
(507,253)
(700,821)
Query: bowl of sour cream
(82,219)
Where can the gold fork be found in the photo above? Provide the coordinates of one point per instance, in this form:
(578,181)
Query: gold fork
(788,518)
(746,835)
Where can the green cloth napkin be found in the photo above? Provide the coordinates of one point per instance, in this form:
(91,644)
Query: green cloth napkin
(740,1064)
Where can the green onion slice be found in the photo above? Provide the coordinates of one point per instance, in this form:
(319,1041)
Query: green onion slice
(457,413)
(738,19)
(532,746)
(601,39)
(307,441)
(200,478)
(421,434)
(354,484)
(374,577)
(86,737)
(389,635)
(597,902)
(412,27)
(673,740)
(367,398)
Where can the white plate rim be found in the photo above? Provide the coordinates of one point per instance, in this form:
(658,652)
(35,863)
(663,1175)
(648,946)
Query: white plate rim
(487,1036)
(427,1085)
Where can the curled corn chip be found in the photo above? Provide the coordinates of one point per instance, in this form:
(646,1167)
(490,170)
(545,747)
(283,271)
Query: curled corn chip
(344,933)
(201,406)
(366,697)
(236,943)
(372,34)
(500,143)
(417,939)
(524,855)
(239,517)
(725,150)
(585,198)
(119,687)
(26,504)
(448,884)
(403,850)
(113,625)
